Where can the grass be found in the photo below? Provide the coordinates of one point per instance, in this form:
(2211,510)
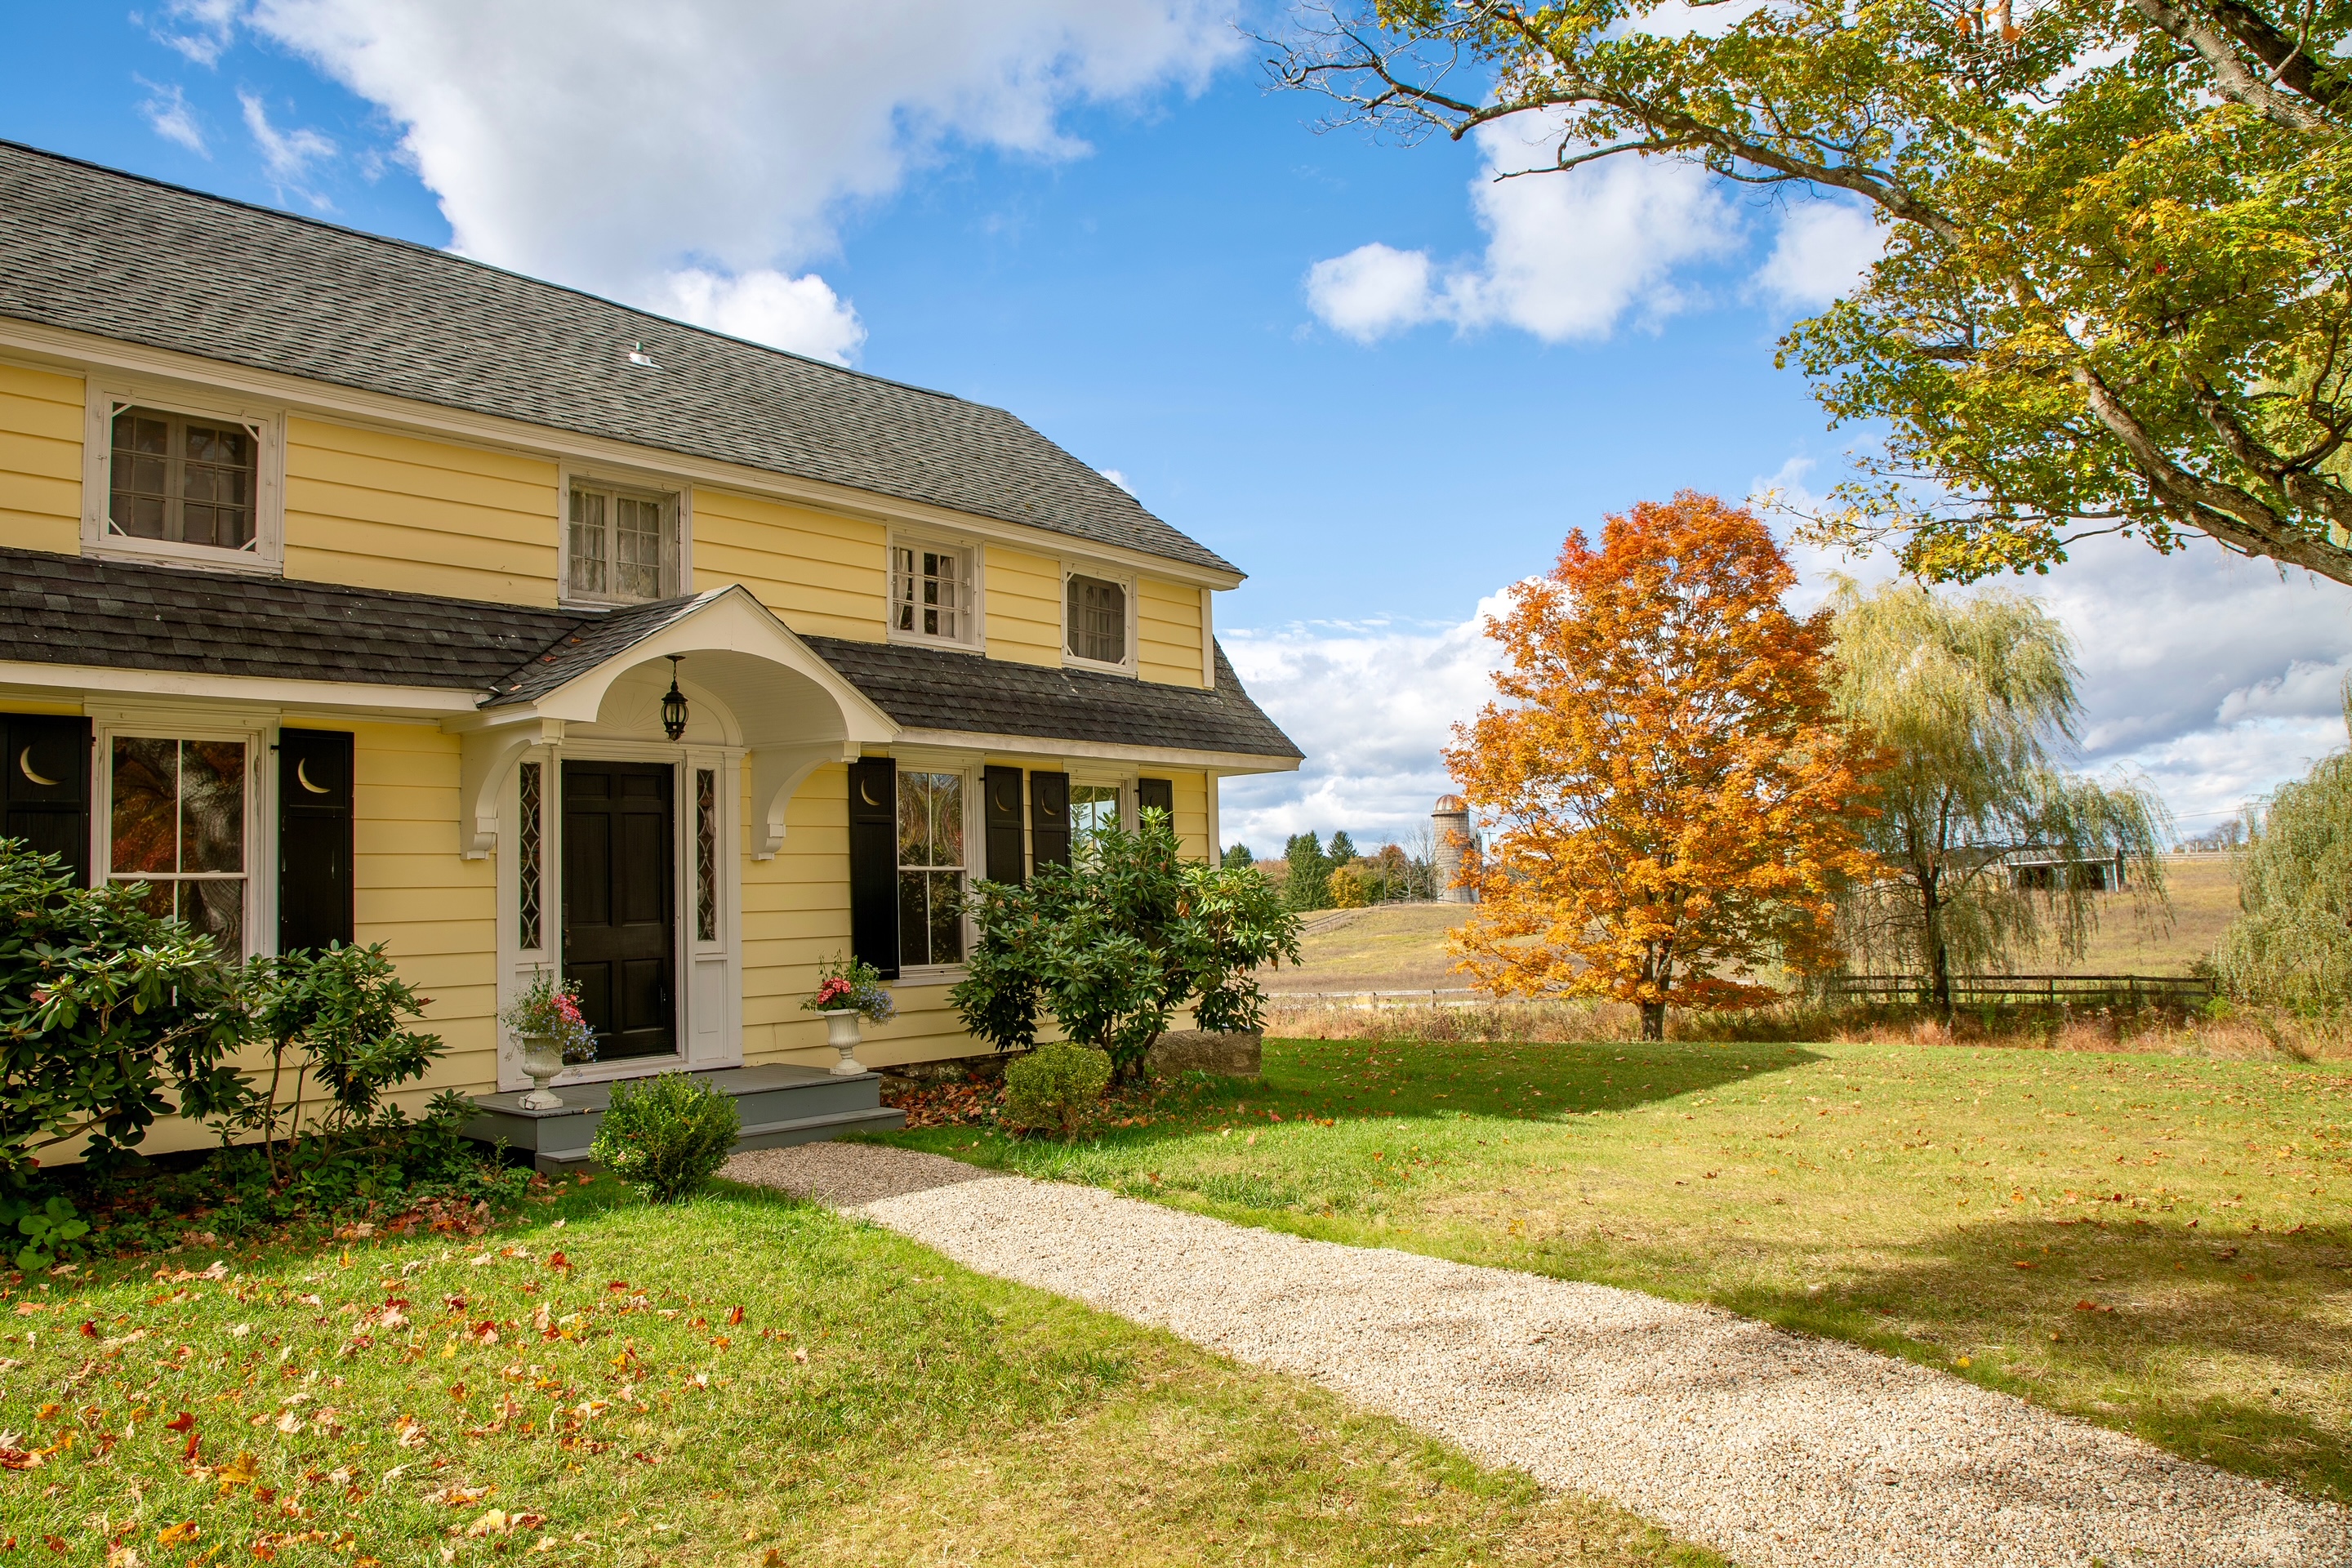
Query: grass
(2157,1244)
(743,1381)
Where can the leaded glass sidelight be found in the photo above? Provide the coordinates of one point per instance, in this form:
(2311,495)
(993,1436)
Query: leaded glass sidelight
(530,849)
(930,868)
(706,855)
(176,822)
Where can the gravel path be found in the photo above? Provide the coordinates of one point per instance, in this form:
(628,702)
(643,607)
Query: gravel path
(1771,1447)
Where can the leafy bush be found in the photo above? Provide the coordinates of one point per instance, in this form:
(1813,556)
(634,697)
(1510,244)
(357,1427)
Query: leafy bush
(1114,943)
(1057,1086)
(50,1230)
(107,1014)
(667,1136)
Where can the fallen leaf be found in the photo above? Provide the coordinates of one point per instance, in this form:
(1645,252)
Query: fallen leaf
(186,1422)
(185,1530)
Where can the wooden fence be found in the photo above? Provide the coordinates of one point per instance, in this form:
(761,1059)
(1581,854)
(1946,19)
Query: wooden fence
(2132,991)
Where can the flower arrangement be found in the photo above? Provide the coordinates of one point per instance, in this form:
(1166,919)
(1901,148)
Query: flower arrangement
(851,983)
(552,1010)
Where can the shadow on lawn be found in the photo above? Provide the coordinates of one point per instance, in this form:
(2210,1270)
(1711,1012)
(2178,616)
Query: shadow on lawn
(1531,1081)
(2130,1305)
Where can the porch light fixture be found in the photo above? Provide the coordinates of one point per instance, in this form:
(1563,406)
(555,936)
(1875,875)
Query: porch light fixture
(674,703)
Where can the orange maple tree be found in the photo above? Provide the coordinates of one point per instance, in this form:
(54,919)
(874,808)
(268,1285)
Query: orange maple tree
(1675,800)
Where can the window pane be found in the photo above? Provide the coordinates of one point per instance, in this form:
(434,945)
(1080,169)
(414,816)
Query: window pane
(216,485)
(1093,807)
(947,819)
(927,592)
(212,806)
(1097,616)
(947,919)
(587,542)
(146,815)
(637,553)
(142,474)
(216,908)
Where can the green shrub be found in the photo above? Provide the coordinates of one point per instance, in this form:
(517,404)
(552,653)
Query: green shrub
(666,1136)
(48,1231)
(1055,1087)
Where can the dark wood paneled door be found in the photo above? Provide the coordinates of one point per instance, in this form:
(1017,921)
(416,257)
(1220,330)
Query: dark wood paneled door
(620,940)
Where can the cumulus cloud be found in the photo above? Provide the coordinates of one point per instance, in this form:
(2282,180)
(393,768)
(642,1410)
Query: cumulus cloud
(802,314)
(1567,258)
(1823,251)
(621,146)
(170,117)
(287,154)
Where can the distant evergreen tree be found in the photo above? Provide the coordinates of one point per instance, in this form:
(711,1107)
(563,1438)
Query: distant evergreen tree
(1342,851)
(1310,872)
(1238,856)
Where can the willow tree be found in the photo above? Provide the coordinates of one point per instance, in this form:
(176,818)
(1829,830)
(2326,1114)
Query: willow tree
(2116,289)
(2292,943)
(1973,701)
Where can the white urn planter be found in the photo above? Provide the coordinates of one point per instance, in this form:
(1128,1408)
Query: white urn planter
(842,1026)
(542,1059)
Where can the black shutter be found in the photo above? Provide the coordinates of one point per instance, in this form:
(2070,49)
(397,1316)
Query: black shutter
(1001,790)
(1156,795)
(314,840)
(1049,819)
(873,863)
(48,792)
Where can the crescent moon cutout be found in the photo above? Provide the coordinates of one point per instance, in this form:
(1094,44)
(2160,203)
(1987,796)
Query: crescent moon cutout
(302,777)
(24,766)
(865,790)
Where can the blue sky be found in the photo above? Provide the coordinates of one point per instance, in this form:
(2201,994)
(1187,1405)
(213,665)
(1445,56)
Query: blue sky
(1095,215)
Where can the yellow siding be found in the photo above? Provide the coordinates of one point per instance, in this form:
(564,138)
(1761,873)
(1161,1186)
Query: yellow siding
(379,510)
(1024,606)
(40,460)
(1167,632)
(821,573)
(1192,793)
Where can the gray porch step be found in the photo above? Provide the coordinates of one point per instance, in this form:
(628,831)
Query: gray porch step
(780,1105)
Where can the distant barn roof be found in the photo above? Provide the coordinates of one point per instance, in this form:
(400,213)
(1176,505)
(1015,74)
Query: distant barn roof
(95,250)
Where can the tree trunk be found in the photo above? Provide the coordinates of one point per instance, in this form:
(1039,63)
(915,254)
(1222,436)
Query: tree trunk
(1653,1020)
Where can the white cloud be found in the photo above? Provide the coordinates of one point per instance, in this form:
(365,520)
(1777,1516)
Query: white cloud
(1567,258)
(617,145)
(287,154)
(800,314)
(1115,477)
(168,114)
(200,29)
(1823,251)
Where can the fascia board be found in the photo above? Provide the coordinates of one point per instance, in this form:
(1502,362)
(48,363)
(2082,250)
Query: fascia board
(411,702)
(57,348)
(1047,747)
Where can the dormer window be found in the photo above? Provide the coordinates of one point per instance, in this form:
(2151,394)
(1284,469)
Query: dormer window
(621,545)
(932,595)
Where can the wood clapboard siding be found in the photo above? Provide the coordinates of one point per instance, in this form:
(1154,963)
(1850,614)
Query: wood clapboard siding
(821,573)
(40,460)
(1167,632)
(369,508)
(1022,598)
(1191,814)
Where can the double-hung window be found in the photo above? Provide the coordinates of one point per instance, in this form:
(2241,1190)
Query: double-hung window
(1095,611)
(930,868)
(621,545)
(1093,807)
(932,597)
(176,822)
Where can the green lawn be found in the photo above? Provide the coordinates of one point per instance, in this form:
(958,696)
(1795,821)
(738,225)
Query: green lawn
(2160,1244)
(745,1380)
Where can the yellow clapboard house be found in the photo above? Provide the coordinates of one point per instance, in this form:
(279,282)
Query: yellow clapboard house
(353,591)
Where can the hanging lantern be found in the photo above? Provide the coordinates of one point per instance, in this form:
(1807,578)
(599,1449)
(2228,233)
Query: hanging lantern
(674,703)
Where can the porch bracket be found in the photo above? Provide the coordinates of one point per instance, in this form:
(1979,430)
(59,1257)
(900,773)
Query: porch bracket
(777,773)
(486,759)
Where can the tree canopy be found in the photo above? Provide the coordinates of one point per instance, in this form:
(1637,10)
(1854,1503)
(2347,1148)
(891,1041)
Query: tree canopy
(1675,798)
(2117,274)
(1990,848)
(2292,943)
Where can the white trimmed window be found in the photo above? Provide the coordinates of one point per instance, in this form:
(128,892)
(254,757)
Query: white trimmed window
(933,597)
(621,545)
(932,837)
(178,819)
(1097,620)
(180,482)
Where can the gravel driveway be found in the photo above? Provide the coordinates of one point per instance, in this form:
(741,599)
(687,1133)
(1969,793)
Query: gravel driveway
(1771,1447)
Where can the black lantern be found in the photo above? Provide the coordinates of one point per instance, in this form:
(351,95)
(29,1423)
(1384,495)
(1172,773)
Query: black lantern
(674,703)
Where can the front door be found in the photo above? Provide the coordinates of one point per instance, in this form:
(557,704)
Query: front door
(619,934)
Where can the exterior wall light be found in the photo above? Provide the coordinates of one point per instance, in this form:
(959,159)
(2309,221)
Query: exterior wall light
(674,703)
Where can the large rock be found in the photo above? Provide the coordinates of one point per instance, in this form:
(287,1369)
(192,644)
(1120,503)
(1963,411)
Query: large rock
(1204,1050)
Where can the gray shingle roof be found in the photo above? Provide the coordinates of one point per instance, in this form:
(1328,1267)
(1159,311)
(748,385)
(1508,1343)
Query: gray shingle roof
(98,251)
(78,610)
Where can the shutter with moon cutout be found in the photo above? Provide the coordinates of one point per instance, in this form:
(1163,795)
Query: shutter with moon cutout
(46,794)
(873,863)
(315,886)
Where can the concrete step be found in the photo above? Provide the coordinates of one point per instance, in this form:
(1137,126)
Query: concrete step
(780,1105)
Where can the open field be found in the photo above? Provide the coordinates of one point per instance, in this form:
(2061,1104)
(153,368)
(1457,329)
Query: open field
(1402,947)
(2162,1245)
(746,1380)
